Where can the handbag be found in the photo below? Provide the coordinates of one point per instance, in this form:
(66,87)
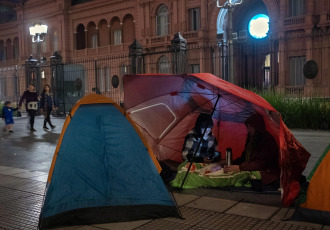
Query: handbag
(33,105)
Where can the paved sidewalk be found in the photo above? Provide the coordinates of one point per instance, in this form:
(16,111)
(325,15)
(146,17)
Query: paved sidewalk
(25,159)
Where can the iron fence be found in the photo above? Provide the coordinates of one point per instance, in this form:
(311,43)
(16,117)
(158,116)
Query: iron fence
(256,65)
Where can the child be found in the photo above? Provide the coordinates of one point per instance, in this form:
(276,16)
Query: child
(7,115)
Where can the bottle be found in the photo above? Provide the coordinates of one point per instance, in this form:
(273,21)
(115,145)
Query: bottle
(228,156)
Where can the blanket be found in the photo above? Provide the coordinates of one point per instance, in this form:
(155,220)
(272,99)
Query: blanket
(211,175)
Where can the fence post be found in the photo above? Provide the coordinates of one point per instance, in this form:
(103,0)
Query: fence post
(136,53)
(57,81)
(178,49)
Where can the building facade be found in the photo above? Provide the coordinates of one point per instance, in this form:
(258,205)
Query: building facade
(93,38)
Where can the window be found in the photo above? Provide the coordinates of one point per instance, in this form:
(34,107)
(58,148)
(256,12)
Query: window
(55,42)
(194,68)
(163,65)
(100,79)
(123,70)
(296,8)
(16,48)
(2,51)
(107,79)
(80,37)
(194,18)
(162,21)
(117,37)
(44,46)
(94,40)
(296,71)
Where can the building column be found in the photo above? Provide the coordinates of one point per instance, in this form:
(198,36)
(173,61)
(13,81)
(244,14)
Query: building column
(308,89)
(282,64)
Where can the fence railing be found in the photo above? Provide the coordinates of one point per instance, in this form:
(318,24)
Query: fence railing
(256,64)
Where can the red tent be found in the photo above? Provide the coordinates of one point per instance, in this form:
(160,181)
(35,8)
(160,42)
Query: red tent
(165,107)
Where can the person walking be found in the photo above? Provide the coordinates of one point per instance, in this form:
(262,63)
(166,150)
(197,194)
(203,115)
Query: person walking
(7,116)
(47,104)
(31,101)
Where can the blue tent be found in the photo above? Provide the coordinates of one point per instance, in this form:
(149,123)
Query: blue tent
(103,171)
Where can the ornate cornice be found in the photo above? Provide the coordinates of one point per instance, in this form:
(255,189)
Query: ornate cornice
(89,6)
(37,4)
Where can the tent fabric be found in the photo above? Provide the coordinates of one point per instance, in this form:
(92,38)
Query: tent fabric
(102,171)
(165,108)
(315,206)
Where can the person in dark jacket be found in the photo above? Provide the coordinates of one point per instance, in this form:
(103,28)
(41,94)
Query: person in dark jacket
(7,116)
(47,104)
(206,151)
(31,101)
(261,152)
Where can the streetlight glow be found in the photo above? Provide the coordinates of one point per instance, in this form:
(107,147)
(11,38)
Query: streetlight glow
(259,26)
(38,31)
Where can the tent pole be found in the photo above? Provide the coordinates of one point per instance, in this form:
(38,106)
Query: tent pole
(199,143)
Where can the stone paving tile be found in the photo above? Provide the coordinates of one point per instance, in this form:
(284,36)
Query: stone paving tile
(253,210)
(162,224)
(182,199)
(8,195)
(82,227)
(42,178)
(3,168)
(212,204)
(123,225)
(13,171)
(30,174)
(282,213)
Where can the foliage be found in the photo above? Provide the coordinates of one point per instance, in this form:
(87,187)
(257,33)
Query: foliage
(300,112)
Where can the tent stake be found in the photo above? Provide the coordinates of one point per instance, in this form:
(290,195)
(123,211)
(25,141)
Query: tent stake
(199,143)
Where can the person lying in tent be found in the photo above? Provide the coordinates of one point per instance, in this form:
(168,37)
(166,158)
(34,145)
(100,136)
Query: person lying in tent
(206,151)
(261,153)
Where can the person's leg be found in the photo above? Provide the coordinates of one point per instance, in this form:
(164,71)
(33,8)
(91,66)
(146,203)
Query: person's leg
(10,128)
(49,121)
(32,114)
(46,119)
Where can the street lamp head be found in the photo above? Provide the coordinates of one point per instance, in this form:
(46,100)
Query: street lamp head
(37,32)
(229,3)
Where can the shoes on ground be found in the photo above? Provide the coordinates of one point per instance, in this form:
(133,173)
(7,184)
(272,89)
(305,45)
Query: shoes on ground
(32,130)
(53,126)
(45,128)
(11,131)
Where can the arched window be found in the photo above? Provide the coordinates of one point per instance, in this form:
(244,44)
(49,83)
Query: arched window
(162,21)
(92,35)
(44,46)
(128,29)
(163,65)
(16,48)
(103,33)
(55,41)
(115,32)
(2,51)
(80,37)
(9,50)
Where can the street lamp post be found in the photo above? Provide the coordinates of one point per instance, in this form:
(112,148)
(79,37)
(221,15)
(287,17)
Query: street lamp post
(38,33)
(229,5)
